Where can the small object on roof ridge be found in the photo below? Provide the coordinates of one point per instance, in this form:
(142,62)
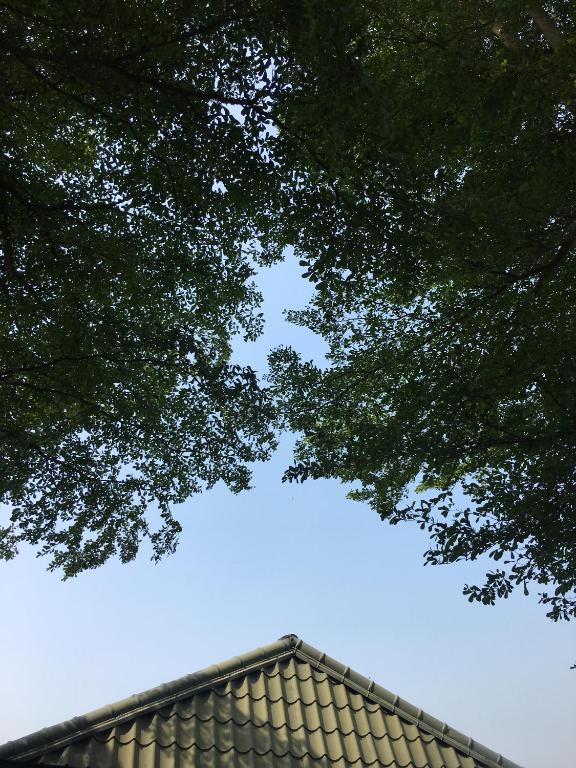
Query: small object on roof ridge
(294,639)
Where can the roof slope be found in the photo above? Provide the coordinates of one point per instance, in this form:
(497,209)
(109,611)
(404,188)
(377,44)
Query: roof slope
(286,705)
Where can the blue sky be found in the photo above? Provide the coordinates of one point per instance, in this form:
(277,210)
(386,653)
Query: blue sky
(289,559)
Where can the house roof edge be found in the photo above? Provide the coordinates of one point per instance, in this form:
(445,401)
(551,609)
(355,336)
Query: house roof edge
(27,747)
(131,706)
(405,709)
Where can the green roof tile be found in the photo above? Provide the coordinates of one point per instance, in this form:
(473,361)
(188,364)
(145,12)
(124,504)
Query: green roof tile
(285,705)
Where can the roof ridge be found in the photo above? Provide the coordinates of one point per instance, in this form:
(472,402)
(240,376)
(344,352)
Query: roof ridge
(137,704)
(377,693)
(287,646)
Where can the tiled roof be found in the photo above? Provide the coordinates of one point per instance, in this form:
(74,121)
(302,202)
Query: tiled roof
(286,705)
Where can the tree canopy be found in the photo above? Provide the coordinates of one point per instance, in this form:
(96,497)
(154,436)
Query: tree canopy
(444,268)
(130,193)
(420,159)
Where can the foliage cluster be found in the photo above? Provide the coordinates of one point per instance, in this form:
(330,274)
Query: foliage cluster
(444,269)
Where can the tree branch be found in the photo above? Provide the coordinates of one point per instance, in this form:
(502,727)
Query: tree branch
(546,25)
(509,41)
